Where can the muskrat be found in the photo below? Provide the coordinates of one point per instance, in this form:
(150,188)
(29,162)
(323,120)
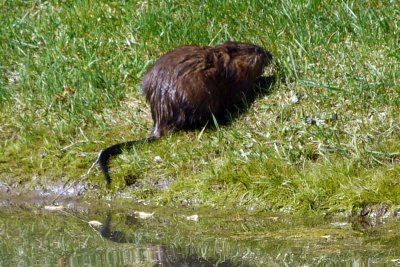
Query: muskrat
(189,85)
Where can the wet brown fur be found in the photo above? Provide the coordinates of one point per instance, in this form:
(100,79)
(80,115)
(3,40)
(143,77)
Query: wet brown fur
(190,84)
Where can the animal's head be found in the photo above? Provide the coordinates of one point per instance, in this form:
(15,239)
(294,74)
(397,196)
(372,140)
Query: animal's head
(244,61)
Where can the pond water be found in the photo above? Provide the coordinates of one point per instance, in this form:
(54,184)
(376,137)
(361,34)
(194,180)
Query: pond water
(32,234)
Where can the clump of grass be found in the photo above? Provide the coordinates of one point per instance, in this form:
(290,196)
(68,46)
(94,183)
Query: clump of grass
(326,139)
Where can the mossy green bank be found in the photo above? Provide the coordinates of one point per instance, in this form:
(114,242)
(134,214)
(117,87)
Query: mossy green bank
(325,139)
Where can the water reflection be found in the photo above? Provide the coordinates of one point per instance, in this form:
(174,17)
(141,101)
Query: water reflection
(116,236)
(167,256)
(32,236)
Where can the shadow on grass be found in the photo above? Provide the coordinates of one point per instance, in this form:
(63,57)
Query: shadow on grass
(263,86)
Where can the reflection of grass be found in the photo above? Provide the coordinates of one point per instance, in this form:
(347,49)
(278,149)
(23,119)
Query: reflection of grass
(326,139)
(39,240)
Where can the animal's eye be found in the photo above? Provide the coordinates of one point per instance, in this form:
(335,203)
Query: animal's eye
(233,50)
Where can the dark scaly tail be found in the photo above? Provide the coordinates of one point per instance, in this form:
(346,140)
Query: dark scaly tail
(114,150)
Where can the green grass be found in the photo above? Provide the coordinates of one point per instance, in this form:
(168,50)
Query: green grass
(70,76)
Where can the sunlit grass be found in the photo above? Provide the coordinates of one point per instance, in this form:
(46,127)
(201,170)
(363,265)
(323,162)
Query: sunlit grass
(326,138)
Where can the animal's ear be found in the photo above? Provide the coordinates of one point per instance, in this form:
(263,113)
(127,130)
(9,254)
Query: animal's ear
(226,55)
(226,58)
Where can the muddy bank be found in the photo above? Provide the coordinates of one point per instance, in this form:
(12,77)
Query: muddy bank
(51,194)
(81,196)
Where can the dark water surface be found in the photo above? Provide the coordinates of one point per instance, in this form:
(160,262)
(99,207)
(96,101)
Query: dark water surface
(138,235)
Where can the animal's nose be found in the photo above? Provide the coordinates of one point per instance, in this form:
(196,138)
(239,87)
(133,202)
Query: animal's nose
(269,55)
